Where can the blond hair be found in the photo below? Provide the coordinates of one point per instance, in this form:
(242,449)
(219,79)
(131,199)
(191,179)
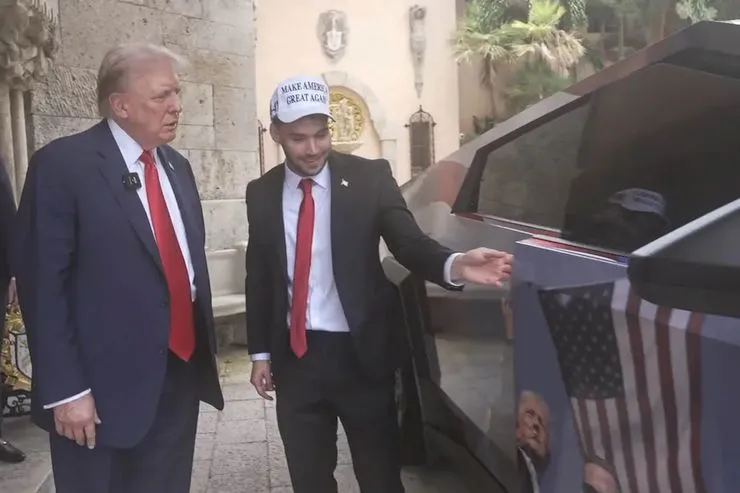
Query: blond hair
(119,62)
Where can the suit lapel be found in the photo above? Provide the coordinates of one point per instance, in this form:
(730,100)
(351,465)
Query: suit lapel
(274,209)
(191,226)
(113,169)
(340,207)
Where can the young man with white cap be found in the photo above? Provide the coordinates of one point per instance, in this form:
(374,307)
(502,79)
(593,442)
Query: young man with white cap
(322,319)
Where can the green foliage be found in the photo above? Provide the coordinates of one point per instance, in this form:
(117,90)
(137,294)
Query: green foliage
(483,125)
(696,10)
(531,84)
(576,18)
(539,40)
(531,47)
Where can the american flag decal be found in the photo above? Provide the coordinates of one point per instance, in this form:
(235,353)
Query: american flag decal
(632,373)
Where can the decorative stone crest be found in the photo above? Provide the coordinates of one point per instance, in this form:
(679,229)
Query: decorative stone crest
(349,122)
(27,41)
(418,43)
(332,32)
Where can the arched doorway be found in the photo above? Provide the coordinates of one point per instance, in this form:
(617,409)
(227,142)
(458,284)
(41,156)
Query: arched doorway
(386,134)
(353,131)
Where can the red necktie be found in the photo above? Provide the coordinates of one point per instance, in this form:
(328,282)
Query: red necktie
(304,240)
(182,325)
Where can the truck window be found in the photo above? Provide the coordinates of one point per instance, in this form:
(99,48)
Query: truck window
(527,179)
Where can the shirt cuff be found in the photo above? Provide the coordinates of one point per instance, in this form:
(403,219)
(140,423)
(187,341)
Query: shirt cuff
(261,357)
(65,401)
(448,270)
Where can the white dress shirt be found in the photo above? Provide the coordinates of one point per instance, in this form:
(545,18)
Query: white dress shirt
(324,311)
(131,152)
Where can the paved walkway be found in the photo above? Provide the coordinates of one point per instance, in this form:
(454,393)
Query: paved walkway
(240,450)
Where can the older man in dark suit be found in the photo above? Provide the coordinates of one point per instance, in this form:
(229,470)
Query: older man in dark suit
(8,453)
(114,287)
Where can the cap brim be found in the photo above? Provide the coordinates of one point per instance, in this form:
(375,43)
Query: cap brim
(292,116)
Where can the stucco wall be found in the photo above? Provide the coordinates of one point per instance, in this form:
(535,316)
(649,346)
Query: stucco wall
(377,58)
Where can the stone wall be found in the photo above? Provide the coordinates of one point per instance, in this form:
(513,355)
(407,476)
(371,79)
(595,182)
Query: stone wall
(219,130)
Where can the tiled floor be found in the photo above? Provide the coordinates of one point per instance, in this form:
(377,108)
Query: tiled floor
(238,450)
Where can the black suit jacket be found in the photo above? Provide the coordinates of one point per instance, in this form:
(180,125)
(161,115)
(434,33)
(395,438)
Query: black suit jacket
(7,214)
(370,207)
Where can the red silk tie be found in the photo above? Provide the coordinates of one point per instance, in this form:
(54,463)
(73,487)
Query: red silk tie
(304,241)
(182,325)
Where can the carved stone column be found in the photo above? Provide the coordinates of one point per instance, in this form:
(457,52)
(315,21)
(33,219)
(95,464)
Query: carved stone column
(27,44)
(20,142)
(6,131)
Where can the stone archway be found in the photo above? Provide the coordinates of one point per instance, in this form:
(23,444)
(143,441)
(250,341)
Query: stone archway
(386,134)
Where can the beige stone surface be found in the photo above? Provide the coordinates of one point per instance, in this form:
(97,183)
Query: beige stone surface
(48,128)
(67,92)
(219,69)
(197,103)
(191,33)
(234,110)
(223,174)
(235,12)
(90,27)
(190,8)
(226,221)
(195,137)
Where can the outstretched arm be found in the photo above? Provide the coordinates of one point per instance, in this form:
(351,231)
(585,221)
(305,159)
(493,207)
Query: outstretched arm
(416,251)
(424,256)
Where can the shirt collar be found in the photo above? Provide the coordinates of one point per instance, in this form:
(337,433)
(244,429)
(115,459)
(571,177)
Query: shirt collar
(130,149)
(293,180)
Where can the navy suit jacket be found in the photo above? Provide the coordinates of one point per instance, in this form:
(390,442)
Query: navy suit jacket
(92,287)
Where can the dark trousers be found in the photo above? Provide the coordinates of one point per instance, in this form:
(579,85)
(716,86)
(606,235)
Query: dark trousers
(312,393)
(161,463)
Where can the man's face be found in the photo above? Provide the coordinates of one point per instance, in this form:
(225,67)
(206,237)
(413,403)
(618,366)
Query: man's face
(532,426)
(149,106)
(306,142)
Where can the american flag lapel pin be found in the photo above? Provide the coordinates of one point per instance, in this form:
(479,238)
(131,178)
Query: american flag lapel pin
(344,183)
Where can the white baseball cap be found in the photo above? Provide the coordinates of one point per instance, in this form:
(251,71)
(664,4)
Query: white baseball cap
(640,200)
(297,97)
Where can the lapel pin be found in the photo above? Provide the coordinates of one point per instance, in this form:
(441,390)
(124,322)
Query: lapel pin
(172,168)
(344,183)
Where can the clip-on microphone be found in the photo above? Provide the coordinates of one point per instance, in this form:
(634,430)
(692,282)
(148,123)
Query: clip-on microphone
(131,181)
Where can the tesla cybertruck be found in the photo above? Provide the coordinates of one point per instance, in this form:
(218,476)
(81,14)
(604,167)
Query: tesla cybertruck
(609,362)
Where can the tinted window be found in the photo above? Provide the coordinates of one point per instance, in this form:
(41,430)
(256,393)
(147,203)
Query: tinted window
(528,178)
(666,129)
